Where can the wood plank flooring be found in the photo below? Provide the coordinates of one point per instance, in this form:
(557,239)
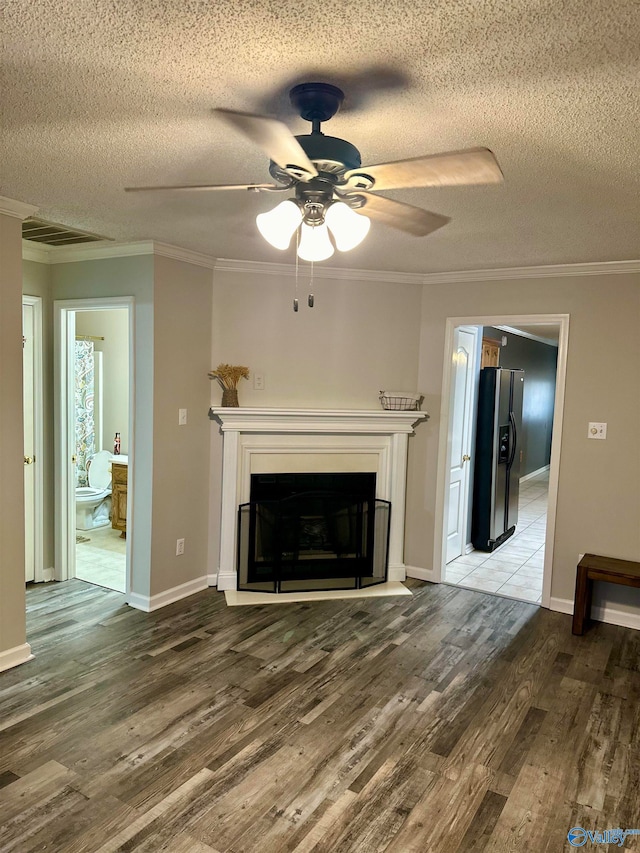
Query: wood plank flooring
(447,722)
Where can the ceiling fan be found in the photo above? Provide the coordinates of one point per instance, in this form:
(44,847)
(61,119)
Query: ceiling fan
(332,190)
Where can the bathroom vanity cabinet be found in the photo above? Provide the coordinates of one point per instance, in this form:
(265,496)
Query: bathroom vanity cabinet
(119,496)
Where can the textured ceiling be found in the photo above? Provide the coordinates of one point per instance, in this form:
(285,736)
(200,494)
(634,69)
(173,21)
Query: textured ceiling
(99,95)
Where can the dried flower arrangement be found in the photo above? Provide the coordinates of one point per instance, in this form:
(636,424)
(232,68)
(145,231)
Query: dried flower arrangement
(228,375)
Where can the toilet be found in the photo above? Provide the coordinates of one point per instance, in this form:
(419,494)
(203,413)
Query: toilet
(93,502)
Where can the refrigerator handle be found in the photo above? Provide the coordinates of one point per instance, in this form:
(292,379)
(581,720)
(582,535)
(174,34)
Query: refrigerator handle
(514,436)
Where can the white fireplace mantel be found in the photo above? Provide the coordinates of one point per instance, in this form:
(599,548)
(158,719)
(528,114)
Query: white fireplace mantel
(312,440)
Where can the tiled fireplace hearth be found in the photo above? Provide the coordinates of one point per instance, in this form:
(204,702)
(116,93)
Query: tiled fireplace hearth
(312,441)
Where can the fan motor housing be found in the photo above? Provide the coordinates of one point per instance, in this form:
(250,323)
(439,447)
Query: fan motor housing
(329,154)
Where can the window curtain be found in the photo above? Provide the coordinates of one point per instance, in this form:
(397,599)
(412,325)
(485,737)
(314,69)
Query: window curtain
(85,426)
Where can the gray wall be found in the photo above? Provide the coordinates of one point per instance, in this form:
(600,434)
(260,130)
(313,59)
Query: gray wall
(131,276)
(12,594)
(539,362)
(598,507)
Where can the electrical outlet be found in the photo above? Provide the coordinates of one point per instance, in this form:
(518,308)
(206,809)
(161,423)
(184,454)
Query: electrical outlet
(182,417)
(597,431)
(258,381)
(179,547)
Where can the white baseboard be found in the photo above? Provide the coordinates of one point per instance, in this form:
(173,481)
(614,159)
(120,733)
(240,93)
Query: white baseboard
(422,574)
(535,473)
(155,602)
(397,572)
(212,579)
(468,548)
(602,614)
(48,575)
(227,580)
(15,656)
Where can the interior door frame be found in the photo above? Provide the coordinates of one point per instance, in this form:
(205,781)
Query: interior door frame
(439,548)
(64,311)
(35,302)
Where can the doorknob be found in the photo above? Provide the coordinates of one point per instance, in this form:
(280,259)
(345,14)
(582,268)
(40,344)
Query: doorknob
(28,460)
(466,458)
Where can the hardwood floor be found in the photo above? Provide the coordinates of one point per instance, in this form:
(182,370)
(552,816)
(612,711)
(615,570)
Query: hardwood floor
(450,721)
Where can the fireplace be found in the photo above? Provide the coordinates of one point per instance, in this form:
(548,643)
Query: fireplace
(312,531)
(319,441)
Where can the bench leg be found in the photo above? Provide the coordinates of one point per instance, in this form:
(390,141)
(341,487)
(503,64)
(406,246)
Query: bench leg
(582,601)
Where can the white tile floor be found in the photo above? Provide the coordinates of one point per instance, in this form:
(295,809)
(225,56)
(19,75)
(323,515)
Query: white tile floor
(102,560)
(515,568)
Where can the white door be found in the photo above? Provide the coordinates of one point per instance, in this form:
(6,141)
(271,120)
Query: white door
(28,367)
(465,342)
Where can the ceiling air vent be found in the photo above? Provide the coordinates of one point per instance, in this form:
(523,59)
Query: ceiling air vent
(52,234)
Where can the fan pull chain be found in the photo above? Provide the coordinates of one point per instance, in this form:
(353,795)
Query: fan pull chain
(295,295)
(310,298)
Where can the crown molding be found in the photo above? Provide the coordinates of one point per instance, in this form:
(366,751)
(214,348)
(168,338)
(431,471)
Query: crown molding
(521,334)
(34,252)
(186,255)
(546,271)
(97,251)
(70,254)
(17,209)
(319,271)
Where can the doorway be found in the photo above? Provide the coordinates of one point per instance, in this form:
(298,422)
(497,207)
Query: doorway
(94,405)
(520,566)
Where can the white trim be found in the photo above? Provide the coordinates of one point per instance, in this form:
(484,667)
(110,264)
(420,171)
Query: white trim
(186,255)
(99,250)
(421,574)
(543,271)
(319,271)
(15,656)
(16,209)
(442,473)
(48,574)
(32,251)
(600,613)
(522,334)
(169,596)
(212,579)
(64,311)
(227,580)
(38,434)
(352,421)
(94,251)
(535,473)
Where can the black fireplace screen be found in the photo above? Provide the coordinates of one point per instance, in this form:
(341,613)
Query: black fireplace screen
(320,538)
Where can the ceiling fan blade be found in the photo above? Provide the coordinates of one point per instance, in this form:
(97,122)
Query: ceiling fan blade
(404,217)
(474,166)
(206,187)
(275,138)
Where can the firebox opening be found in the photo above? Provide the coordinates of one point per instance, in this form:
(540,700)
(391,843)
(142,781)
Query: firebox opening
(312,532)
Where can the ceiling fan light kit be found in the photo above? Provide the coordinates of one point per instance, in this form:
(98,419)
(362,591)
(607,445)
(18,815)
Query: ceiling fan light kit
(335,196)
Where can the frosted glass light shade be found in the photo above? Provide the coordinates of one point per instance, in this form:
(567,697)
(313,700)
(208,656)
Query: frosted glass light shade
(348,228)
(277,225)
(315,244)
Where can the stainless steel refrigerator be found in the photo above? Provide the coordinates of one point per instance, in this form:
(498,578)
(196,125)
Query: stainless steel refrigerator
(496,482)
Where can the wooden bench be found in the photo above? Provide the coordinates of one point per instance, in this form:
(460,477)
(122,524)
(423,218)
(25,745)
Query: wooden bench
(593,568)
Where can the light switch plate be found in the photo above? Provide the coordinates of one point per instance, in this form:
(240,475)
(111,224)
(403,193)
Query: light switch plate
(597,431)
(258,381)
(182,417)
